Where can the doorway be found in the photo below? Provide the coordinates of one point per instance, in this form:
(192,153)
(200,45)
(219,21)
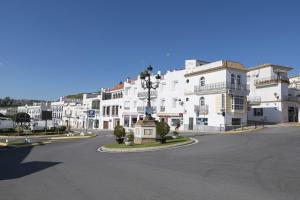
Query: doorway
(191,123)
(293,114)
(105,125)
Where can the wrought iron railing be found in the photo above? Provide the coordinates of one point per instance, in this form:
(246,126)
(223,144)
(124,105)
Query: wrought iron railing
(201,110)
(254,100)
(141,109)
(220,86)
(270,80)
(145,94)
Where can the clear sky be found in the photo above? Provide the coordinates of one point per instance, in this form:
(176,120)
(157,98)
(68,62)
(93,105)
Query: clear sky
(58,47)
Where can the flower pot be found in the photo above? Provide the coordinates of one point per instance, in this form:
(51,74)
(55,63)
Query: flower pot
(129,143)
(120,140)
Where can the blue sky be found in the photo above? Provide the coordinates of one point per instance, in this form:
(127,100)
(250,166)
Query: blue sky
(58,47)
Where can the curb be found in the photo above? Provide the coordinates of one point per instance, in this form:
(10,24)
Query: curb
(243,131)
(146,149)
(72,137)
(26,145)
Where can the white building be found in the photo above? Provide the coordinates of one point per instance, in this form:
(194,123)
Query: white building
(111,108)
(57,109)
(35,111)
(91,106)
(73,115)
(271,99)
(8,111)
(215,95)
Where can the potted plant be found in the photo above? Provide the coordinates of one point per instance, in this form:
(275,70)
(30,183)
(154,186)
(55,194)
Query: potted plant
(120,133)
(162,129)
(129,139)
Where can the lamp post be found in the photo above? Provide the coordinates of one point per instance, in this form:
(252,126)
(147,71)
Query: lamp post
(148,84)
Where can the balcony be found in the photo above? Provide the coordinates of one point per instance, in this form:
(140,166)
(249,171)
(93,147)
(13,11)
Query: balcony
(141,109)
(254,100)
(126,108)
(162,108)
(221,87)
(144,95)
(292,99)
(269,81)
(201,110)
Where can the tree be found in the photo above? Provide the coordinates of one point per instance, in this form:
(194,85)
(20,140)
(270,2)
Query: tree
(1,115)
(162,129)
(22,118)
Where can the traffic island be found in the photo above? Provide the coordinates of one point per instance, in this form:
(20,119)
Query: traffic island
(19,144)
(151,146)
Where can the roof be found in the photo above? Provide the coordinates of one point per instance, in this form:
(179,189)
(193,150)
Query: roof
(116,87)
(270,65)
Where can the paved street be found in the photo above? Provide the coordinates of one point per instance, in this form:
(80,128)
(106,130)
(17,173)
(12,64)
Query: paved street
(259,165)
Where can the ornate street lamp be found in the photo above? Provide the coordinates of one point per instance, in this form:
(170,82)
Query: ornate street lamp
(149,84)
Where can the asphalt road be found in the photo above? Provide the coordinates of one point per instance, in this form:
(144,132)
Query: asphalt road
(261,166)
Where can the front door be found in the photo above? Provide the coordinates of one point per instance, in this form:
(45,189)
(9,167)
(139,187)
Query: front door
(191,123)
(293,114)
(105,125)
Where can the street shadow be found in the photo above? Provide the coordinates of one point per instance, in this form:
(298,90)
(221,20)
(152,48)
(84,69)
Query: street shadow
(11,166)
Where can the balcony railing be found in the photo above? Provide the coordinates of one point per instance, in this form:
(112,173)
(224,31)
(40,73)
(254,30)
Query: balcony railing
(254,100)
(270,81)
(220,87)
(201,110)
(292,98)
(141,109)
(144,95)
(162,108)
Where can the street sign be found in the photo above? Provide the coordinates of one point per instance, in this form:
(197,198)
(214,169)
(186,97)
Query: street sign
(91,113)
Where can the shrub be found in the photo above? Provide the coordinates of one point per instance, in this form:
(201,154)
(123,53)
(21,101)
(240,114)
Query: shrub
(162,129)
(62,128)
(119,132)
(19,129)
(51,129)
(130,137)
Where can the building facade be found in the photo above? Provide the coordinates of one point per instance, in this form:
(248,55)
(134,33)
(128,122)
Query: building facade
(272,99)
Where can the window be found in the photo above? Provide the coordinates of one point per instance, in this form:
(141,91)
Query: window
(236,121)
(97,123)
(232,79)
(126,121)
(202,101)
(202,121)
(187,81)
(186,99)
(202,81)
(175,122)
(237,102)
(238,79)
(127,105)
(133,121)
(96,104)
(108,110)
(134,104)
(113,110)
(117,110)
(258,112)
